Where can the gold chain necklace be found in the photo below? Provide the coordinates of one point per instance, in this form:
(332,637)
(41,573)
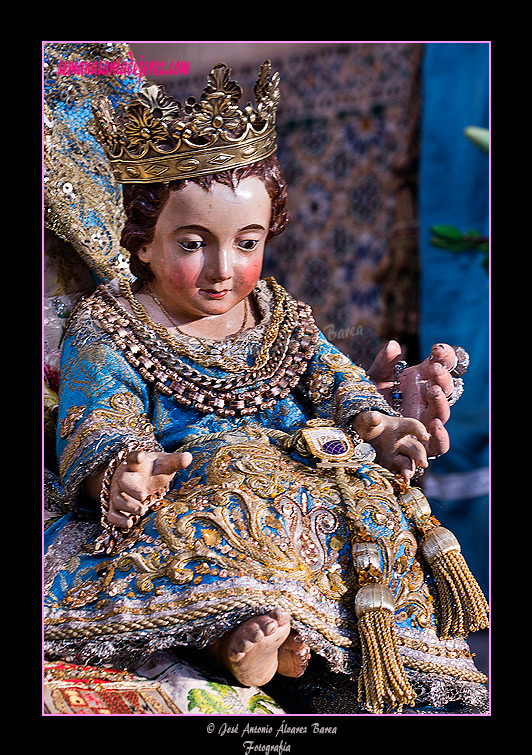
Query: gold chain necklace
(284,320)
(237,395)
(201,340)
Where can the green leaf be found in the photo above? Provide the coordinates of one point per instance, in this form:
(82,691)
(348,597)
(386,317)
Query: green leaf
(453,240)
(207,702)
(448,232)
(259,703)
(479,136)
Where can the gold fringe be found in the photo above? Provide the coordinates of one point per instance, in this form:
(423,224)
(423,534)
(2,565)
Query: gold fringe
(463,607)
(382,683)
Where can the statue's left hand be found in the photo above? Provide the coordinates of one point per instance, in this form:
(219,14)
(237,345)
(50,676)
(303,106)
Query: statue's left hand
(400,443)
(425,389)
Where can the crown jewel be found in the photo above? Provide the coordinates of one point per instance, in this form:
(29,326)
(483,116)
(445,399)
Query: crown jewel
(155,138)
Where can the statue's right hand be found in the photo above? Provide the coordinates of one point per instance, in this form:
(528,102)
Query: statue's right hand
(141,474)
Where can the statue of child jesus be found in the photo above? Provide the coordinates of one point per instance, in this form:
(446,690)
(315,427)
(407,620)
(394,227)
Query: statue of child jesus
(186,400)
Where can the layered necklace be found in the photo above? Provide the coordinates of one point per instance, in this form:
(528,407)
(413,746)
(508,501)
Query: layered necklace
(242,389)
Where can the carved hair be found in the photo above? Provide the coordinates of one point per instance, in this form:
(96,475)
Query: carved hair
(143,204)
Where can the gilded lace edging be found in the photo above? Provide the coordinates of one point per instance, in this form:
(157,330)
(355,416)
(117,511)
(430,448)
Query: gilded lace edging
(438,690)
(200,628)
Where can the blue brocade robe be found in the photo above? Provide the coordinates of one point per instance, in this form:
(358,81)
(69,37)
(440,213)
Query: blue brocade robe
(249,525)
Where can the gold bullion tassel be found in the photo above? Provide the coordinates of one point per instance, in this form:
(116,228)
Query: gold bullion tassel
(462,605)
(382,681)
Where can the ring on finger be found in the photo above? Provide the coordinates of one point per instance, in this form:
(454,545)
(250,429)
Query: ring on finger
(461,362)
(418,472)
(458,389)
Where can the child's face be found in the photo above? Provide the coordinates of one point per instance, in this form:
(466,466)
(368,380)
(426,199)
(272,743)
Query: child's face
(208,247)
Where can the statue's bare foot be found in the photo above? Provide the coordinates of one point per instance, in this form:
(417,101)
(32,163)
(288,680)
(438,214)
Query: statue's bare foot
(250,651)
(293,656)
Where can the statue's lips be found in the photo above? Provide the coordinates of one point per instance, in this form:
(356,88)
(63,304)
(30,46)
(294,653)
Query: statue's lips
(212,294)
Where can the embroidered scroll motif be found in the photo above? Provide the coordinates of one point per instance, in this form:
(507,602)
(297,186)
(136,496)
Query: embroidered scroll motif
(124,413)
(341,389)
(74,414)
(253,518)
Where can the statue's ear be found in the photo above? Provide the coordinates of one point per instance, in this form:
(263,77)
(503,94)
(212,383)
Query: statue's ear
(144,254)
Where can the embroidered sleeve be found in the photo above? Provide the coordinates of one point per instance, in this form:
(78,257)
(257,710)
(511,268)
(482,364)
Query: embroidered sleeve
(339,389)
(103,407)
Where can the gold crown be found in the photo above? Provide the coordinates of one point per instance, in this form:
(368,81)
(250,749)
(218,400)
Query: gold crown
(154,138)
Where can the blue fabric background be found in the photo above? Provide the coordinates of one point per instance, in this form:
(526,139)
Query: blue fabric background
(454,190)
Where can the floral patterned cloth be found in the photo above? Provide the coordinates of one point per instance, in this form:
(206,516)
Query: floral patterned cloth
(163,685)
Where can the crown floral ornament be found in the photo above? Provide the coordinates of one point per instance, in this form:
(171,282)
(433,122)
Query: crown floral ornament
(155,138)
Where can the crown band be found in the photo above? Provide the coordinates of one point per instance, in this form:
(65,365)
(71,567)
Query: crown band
(194,163)
(155,139)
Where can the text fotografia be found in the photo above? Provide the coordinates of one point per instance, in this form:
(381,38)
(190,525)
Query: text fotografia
(275,731)
(129,67)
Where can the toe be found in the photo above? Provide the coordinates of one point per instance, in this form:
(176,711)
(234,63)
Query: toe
(234,654)
(269,625)
(255,633)
(280,616)
(240,646)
